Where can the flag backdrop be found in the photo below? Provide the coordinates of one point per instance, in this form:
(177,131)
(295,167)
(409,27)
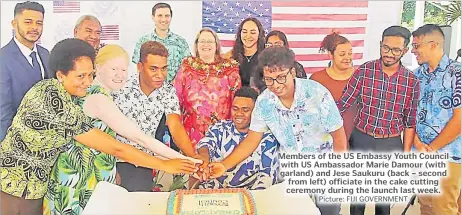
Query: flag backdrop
(305,24)
(66,6)
(109,32)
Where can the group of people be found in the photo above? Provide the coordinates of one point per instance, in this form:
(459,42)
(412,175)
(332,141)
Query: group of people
(73,117)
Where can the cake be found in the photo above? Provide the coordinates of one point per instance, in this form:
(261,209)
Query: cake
(235,201)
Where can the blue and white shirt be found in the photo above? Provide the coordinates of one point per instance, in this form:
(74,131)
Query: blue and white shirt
(259,171)
(307,125)
(440,94)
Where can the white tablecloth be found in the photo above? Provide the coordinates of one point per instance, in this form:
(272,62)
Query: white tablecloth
(112,199)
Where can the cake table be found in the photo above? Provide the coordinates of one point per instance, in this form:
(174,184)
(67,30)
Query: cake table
(112,199)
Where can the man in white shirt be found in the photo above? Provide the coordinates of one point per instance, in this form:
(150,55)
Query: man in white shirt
(22,62)
(146,97)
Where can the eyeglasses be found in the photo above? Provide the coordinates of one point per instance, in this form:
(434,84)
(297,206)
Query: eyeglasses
(279,44)
(394,51)
(281,79)
(417,45)
(206,42)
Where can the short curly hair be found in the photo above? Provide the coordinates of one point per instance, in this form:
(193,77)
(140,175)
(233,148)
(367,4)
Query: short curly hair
(152,48)
(66,52)
(276,58)
(246,92)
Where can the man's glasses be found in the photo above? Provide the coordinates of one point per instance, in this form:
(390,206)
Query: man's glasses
(278,44)
(394,51)
(281,79)
(417,45)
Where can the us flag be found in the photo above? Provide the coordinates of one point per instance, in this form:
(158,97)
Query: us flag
(66,6)
(304,23)
(110,32)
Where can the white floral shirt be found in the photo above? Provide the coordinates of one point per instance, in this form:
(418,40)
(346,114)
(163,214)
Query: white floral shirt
(145,111)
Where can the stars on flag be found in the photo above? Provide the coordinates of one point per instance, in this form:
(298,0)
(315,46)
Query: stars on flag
(226,16)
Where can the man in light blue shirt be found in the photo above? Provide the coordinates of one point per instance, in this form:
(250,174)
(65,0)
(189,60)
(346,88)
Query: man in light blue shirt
(301,114)
(438,121)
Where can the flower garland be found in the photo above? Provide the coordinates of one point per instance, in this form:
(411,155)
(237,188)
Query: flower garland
(198,66)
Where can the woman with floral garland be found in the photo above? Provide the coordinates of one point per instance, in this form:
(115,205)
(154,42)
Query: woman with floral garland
(205,85)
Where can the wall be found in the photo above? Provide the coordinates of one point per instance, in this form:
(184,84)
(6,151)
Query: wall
(382,14)
(134,20)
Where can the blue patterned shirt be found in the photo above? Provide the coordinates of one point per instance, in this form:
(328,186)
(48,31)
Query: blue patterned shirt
(177,48)
(306,126)
(440,94)
(259,171)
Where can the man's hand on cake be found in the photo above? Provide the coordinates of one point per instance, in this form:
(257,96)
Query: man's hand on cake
(203,173)
(217,169)
(176,166)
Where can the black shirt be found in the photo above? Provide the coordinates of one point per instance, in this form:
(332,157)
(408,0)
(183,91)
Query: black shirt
(247,67)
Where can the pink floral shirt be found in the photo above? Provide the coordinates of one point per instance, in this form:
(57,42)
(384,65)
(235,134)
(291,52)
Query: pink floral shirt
(206,93)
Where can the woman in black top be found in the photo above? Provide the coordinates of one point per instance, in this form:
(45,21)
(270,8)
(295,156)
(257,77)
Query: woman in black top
(250,40)
(274,38)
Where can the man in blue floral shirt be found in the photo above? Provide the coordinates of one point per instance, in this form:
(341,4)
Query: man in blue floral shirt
(261,169)
(438,121)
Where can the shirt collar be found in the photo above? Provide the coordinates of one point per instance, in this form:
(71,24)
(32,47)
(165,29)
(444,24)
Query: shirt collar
(24,49)
(235,131)
(135,84)
(442,65)
(401,68)
(61,89)
(297,97)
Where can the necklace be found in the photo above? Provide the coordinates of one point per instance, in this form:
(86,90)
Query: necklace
(249,58)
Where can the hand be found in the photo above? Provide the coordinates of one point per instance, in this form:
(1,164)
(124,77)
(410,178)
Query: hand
(203,172)
(256,89)
(421,147)
(195,159)
(217,169)
(175,166)
(118,178)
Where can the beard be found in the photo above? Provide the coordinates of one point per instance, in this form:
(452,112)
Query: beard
(394,61)
(24,35)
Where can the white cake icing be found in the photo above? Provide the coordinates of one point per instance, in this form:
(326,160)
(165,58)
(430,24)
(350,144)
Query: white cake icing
(232,201)
(221,204)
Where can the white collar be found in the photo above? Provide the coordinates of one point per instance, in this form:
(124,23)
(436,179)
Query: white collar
(24,49)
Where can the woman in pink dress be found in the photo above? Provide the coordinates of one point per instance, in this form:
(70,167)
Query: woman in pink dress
(205,85)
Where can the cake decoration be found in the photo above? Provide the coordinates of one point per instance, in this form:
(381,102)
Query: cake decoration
(235,201)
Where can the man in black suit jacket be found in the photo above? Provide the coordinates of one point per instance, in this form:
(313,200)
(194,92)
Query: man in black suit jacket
(22,62)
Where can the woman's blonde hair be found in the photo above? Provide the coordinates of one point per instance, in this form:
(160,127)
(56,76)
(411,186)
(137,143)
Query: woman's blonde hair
(109,52)
(218,56)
